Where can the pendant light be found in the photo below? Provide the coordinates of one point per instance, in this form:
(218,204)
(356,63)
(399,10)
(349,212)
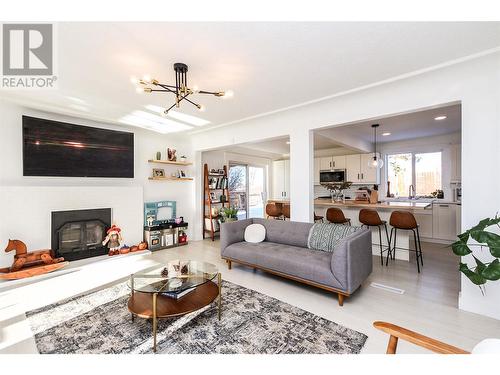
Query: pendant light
(375,162)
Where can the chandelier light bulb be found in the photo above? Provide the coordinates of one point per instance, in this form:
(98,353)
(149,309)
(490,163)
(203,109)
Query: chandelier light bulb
(228,94)
(201,108)
(139,90)
(146,78)
(375,162)
(195,89)
(134,80)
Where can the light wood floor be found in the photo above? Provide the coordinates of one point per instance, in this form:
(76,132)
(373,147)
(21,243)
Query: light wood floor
(428,305)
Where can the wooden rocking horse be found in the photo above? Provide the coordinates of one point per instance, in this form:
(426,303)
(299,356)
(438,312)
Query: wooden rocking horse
(28,264)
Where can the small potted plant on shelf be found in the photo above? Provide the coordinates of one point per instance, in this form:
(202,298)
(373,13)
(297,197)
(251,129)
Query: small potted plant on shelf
(183,158)
(229,214)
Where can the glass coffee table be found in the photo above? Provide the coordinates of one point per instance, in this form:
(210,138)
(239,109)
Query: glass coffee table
(177,288)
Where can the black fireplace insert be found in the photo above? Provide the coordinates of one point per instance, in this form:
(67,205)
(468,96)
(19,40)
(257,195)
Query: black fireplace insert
(78,234)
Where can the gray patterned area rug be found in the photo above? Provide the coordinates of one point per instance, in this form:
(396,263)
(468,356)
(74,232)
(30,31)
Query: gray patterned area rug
(252,323)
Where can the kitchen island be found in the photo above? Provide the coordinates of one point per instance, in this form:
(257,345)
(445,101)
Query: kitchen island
(351,210)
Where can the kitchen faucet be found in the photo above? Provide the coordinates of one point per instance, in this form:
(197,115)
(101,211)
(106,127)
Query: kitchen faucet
(411,192)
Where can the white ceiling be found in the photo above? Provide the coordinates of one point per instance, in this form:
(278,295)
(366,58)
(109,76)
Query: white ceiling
(402,127)
(269,66)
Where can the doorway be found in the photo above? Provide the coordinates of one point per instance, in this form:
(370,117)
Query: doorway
(247,189)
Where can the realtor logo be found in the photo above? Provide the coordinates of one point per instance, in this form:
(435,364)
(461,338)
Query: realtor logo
(28,56)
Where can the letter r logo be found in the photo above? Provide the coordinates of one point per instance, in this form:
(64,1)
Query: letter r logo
(27,49)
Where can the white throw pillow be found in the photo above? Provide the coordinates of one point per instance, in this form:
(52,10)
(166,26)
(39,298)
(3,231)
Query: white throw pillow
(255,233)
(487,346)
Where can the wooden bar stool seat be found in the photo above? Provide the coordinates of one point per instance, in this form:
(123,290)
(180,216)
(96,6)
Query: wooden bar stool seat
(405,220)
(336,216)
(371,218)
(274,211)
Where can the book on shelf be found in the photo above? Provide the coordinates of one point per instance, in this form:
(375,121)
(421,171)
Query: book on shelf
(179,294)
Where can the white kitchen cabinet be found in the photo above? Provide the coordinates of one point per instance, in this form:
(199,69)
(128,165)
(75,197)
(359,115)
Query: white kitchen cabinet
(444,220)
(281,179)
(332,162)
(338,162)
(325,164)
(352,164)
(317,168)
(456,163)
(358,171)
(425,223)
(368,175)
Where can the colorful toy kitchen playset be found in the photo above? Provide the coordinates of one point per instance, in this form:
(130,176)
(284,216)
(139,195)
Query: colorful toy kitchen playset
(162,228)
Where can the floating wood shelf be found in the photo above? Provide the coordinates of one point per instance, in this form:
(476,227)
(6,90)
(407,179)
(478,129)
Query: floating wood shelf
(171,178)
(169,162)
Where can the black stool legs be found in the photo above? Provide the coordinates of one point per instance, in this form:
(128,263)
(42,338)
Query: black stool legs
(418,247)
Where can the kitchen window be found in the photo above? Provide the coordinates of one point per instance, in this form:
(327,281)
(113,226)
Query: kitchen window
(422,170)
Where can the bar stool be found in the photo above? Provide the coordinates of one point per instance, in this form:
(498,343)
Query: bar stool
(273,210)
(336,216)
(370,218)
(318,218)
(286,211)
(405,220)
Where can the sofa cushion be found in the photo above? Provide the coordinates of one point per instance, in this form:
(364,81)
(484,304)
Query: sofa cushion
(290,233)
(295,261)
(326,237)
(255,233)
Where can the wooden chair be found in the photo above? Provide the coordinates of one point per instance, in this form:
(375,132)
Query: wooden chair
(274,211)
(370,218)
(336,216)
(318,218)
(286,211)
(404,220)
(397,333)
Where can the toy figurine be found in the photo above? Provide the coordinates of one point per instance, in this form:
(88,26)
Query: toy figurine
(113,240)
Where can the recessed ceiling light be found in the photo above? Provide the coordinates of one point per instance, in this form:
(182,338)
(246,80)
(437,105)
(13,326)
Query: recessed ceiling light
(385,134)
(439,118)
(192,120)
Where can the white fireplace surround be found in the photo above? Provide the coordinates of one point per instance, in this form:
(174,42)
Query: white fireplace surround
(27,211)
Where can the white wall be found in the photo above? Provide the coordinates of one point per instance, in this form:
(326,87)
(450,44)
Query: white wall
(27,201)
(475,83)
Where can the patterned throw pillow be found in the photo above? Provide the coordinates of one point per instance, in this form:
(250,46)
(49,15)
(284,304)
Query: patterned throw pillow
(325,237)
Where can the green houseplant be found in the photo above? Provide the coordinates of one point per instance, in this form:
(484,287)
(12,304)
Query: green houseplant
(229,214)
(481,272)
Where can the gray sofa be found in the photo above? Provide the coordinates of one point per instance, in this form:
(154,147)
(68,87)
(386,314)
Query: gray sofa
(284,252)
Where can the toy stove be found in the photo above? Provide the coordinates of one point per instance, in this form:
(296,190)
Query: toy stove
(162,229)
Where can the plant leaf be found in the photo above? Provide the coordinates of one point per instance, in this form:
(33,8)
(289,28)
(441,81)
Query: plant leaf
(495,250)
(464,237)
(476,278)
(460,248)
(480,266)
(492,271)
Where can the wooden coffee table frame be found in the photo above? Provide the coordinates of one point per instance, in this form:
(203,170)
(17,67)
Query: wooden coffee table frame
(157,306)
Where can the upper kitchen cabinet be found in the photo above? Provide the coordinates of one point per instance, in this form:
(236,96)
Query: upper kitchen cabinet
(281,179)
(358,171)
(456,163)
(332,162)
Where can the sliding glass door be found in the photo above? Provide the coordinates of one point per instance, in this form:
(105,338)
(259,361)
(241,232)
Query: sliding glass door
(247,189)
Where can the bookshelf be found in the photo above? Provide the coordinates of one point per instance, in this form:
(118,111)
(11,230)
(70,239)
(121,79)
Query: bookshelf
(215,184)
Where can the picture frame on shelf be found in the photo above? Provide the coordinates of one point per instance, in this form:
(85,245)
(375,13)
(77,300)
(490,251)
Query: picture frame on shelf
(213,197)
(171,154)
(158,172)
(182,173)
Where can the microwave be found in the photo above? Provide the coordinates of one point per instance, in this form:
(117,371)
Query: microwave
(328,177)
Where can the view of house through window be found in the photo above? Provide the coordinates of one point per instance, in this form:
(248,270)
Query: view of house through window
(422,170)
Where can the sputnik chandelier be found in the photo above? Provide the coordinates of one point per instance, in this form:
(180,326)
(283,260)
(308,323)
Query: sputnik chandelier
(181,89)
